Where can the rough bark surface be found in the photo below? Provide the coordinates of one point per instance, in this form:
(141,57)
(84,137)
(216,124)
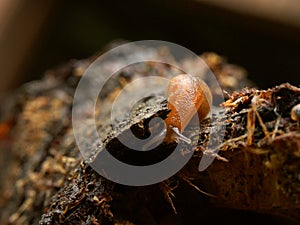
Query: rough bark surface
(255,175)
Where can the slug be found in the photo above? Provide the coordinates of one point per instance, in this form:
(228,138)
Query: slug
(187,95)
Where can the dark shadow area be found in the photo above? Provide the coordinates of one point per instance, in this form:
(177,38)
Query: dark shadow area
(270,52)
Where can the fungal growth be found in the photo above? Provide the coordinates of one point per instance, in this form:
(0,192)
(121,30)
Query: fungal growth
(187,96)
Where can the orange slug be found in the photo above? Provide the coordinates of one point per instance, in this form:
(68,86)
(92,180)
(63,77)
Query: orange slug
(187,95)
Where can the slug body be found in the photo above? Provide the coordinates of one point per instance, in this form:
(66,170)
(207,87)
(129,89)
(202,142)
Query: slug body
(187,95)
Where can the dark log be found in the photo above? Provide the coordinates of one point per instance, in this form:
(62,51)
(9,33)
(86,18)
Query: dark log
(254,178)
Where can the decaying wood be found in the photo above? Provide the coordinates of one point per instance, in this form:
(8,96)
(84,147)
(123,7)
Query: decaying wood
(257,168)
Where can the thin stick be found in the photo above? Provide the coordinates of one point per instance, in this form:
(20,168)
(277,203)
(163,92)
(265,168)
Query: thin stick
(266,132)
(276,127)
(186,179)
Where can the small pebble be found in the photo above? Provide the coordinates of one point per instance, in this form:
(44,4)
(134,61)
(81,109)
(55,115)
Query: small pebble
(295,113)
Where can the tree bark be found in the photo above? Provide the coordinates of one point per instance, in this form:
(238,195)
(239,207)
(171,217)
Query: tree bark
(256,171)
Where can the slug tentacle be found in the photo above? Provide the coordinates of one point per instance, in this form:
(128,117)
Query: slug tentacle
(176,135)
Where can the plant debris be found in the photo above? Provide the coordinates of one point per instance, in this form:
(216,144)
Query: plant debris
(256,169)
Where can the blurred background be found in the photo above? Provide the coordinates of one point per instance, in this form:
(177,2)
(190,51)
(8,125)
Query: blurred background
(263,36)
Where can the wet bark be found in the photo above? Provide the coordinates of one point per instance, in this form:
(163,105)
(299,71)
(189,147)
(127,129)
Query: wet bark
(255,173)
